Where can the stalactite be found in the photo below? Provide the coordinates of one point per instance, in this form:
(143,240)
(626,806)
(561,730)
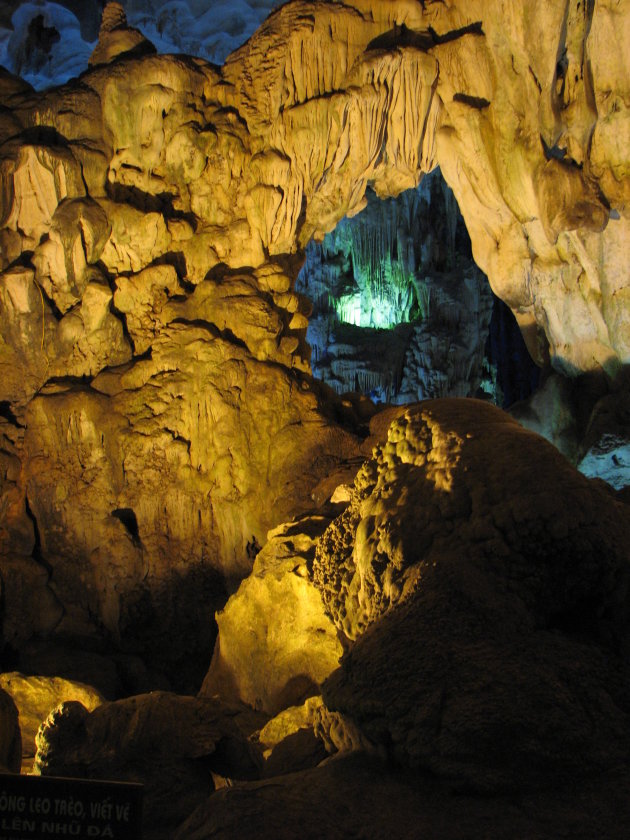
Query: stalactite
(389,265)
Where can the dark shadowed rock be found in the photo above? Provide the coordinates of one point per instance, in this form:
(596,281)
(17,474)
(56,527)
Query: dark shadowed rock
(10,741)
(359,796)
(486,584)
(171,744)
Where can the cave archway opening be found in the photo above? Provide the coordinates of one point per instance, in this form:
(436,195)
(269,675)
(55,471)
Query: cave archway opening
(401,312)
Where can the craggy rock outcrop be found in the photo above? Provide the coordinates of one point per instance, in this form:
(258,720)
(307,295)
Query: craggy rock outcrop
(154,214)
(276,644)
(479,586)
(37,697)
(303,737)
(488,598)
(115,38)
(171,744)
(289,742)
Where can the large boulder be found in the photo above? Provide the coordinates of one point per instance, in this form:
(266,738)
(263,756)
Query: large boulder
(171,744)
(485,584)
(36,697)
(363,796)
(276,644)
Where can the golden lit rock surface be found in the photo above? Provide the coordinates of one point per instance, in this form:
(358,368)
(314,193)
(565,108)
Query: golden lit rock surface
(289,742)
(36,697)
(276,644)
(363,564)
(287,723)
(532,146)
(153,218)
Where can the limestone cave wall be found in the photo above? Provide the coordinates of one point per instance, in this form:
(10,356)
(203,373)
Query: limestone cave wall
(158,413)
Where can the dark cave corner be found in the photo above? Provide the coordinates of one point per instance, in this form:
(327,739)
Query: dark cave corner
(517,375)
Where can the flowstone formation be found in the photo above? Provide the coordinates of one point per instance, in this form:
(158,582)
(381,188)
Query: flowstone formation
(158,415)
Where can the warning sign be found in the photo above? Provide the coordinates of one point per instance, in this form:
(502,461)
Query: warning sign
(42,807)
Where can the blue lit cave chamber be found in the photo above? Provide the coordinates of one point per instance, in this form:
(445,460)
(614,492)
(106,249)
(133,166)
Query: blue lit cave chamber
(402,313)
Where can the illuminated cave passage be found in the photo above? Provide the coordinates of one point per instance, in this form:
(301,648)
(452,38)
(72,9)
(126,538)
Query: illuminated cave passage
(261,574)
(401,312)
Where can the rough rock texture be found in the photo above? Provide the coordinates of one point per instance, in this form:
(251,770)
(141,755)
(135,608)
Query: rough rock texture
(10,741)
(480,587)
(154,437)
(169,743)
(486,584)
(289,742)
(276,644)
(360,796)
(29,604)
(37,697)
(113,17)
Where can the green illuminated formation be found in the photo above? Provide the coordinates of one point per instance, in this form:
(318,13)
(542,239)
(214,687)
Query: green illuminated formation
(382,288)
(387,294)
(400,312)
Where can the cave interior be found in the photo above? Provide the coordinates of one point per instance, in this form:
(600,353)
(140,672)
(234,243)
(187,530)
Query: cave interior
(315,416)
